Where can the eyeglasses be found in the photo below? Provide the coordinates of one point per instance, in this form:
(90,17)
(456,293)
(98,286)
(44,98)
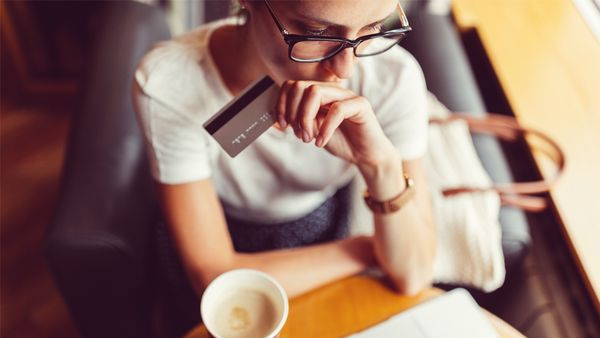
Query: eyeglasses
(310,48)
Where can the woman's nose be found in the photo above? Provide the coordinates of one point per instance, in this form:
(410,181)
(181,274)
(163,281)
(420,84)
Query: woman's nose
(341,64)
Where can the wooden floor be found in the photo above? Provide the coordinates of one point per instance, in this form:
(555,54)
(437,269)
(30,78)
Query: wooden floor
(33,140)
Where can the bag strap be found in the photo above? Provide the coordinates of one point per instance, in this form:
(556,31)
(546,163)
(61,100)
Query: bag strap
(507,128)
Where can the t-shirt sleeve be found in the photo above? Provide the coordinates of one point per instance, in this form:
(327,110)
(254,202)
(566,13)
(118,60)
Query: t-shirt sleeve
(398,94)
(175,140)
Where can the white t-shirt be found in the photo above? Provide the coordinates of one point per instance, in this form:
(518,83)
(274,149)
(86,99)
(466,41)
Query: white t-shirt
(278,178)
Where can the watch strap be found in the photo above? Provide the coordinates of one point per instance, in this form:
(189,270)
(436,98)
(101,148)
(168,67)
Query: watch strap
(394,204)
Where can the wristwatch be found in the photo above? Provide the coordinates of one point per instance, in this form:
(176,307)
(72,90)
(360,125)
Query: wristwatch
(394,204)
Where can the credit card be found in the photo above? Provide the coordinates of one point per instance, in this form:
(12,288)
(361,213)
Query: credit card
(244,118)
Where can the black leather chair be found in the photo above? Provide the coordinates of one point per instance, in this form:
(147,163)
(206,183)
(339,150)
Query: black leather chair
(100,245)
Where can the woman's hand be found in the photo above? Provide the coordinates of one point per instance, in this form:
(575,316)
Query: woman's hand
(336,118)
(345,124)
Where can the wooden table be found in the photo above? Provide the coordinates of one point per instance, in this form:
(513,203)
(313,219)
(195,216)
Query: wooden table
(548,63)
(349,306)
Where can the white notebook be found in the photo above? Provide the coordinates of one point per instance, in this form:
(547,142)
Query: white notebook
(454,314)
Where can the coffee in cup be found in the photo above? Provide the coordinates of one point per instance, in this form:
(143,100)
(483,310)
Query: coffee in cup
(244,303)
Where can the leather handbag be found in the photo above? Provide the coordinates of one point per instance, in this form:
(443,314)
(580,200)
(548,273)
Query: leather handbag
(465,201)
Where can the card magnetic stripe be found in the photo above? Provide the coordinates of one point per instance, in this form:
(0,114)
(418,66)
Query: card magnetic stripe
(229,113)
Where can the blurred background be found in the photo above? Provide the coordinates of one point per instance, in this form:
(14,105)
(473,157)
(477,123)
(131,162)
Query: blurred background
(45,52)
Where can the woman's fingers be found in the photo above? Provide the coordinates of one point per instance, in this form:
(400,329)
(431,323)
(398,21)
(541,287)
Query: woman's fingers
(294,96)
(299,103)
(280,106)
(338,112)
(307,111)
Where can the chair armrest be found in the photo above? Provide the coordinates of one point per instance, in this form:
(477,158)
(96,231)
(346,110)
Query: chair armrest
(99,242)
(437,46)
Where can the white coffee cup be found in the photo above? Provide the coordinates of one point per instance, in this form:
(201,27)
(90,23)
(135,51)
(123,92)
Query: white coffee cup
(244,303)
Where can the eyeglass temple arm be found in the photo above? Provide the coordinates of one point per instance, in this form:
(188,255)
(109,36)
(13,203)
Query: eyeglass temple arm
(403,18)
(279,25)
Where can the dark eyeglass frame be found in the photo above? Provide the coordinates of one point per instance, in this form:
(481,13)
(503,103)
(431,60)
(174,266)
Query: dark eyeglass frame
(292,39)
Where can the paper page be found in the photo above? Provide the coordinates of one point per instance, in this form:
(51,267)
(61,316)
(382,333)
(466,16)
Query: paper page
(454,314)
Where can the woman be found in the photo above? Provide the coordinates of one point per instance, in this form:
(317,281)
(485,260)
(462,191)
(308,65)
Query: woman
(344,109)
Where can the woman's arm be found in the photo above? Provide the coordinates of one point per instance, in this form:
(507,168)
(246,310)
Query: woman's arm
(405,240)
(344,123)
(200,232)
